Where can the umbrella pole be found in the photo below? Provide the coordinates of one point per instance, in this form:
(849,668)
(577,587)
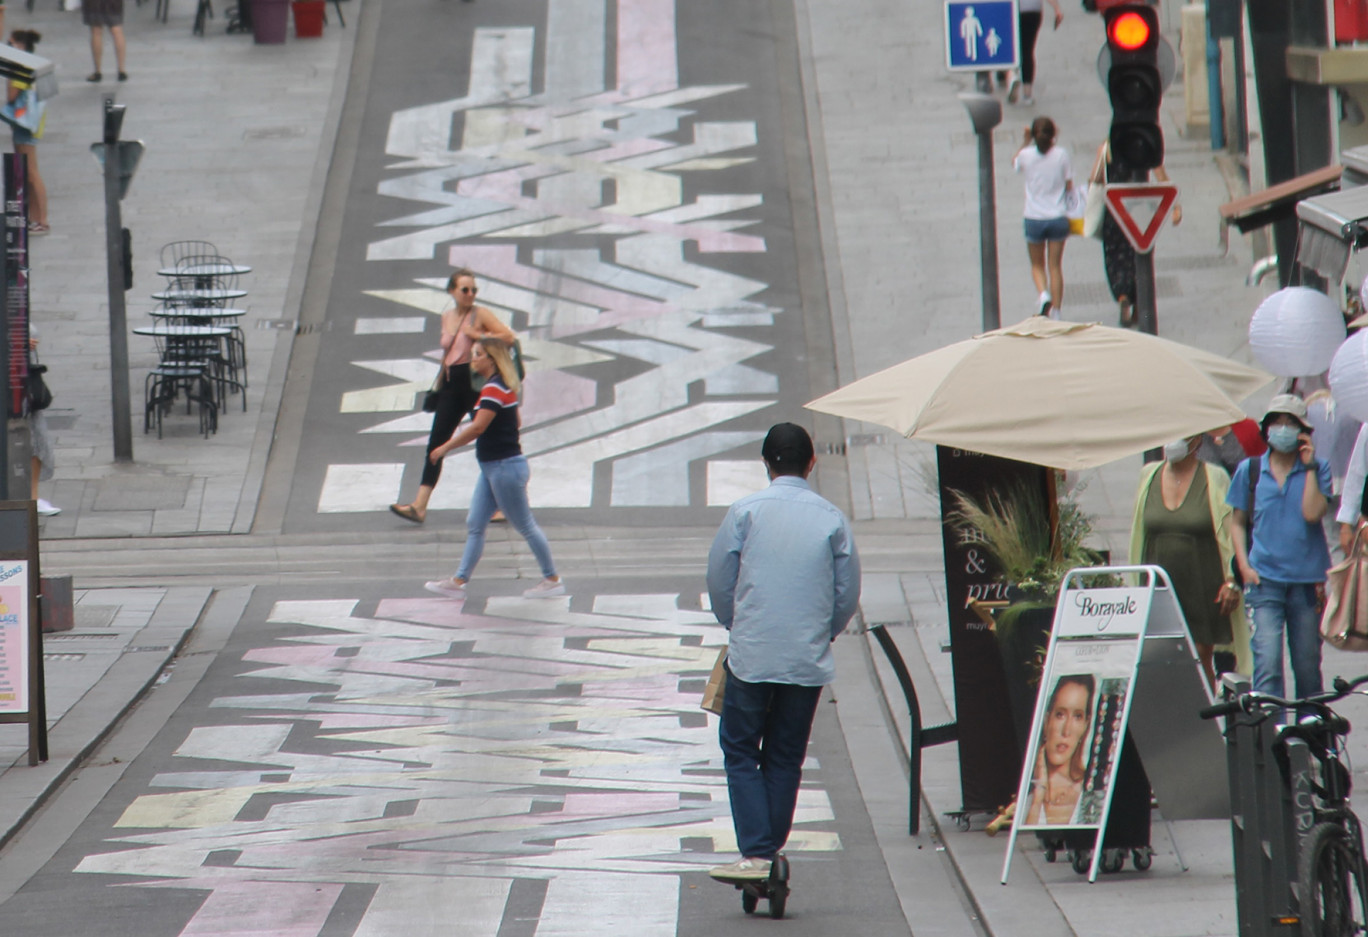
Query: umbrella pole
(1052,506)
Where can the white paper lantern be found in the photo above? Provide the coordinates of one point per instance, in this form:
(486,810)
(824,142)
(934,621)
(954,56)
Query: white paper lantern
(1349,376)
(1296,331)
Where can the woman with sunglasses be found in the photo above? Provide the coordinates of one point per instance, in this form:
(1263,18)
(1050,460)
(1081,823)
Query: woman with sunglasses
(463,325)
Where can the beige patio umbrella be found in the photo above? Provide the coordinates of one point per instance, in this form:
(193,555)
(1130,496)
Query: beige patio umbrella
(1071,395)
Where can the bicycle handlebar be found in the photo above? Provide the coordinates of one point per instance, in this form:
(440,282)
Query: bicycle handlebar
(1248,702)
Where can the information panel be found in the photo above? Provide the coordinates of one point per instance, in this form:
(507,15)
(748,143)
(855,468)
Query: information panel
(1080,719)
(15,625)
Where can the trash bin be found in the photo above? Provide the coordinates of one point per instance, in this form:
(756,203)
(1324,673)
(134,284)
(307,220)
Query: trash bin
(269,21)
(308,17)
(57,609)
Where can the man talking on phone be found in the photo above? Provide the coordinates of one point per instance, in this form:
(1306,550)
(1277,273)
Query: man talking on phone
(1282,556)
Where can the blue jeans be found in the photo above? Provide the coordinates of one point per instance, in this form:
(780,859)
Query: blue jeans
(503,484)
(1278,607)
(764,735)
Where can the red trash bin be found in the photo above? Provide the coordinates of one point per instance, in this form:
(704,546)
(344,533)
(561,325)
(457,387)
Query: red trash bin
(269,21)
(309,16)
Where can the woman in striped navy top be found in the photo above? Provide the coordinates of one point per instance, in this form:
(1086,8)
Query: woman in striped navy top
(503,471)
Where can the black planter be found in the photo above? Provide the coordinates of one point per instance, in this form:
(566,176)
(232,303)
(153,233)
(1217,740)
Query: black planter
(1023,638)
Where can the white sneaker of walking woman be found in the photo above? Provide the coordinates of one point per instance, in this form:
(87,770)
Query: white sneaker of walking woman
(47,508)
(546,589)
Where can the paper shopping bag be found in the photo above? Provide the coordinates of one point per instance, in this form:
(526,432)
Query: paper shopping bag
(717,684)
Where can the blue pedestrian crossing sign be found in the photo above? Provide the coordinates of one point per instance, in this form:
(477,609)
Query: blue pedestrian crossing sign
(981,34)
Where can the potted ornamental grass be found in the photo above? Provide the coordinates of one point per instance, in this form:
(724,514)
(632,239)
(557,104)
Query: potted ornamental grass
(1034,544)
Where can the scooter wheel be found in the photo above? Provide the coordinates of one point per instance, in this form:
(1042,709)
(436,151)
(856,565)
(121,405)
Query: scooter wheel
(749,902)
(778,900)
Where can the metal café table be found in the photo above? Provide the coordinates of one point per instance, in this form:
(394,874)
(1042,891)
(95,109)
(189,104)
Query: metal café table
(213,315)
(204,274)
(199,297)
(177,343)
(187,363)
(198,315)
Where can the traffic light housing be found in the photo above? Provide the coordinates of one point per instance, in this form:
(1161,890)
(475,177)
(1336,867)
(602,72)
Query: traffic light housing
(1135,87)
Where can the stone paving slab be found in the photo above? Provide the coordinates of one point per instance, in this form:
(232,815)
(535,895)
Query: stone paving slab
(235,133)
(122,641)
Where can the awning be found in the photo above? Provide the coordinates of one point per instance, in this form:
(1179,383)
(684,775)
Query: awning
(1330,226)
(1278,202)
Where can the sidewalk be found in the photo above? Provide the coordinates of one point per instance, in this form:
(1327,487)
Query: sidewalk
(900,231)
(239,138)
(121,642)
(895,162)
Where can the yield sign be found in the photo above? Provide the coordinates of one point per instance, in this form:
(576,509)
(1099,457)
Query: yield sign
(1140,210)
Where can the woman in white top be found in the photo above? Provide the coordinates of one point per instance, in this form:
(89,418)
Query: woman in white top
(1048,175)
(463,324)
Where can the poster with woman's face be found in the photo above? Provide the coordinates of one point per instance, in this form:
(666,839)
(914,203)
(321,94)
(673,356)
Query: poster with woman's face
(1077,732)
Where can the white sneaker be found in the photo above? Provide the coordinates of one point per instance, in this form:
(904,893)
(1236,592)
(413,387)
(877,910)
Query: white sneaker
(47,508)
(1046,302)
(749,869)
(1027,100)
(546,589)
(450,587)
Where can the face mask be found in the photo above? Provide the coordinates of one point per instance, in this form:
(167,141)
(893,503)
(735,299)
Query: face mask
(1283,438)
(1176,451)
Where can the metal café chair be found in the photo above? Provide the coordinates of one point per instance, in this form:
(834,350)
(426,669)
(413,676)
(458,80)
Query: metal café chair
(187,313)
(180,370)
(173,252)
(199,344)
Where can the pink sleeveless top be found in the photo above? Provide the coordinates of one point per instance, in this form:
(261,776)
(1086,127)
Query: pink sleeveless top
(458,352)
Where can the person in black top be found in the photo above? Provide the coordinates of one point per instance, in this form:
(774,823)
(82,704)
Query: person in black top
(503,472)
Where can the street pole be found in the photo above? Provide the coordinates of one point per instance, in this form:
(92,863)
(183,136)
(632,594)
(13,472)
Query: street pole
(985,112)
(7,364)
(119,400)
(1146,311)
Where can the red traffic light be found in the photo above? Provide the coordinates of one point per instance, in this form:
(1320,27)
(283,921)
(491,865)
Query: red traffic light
(1129,31)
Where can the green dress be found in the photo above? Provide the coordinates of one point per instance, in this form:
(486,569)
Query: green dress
(1183,542)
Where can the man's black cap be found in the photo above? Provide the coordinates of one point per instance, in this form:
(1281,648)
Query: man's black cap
(787,446)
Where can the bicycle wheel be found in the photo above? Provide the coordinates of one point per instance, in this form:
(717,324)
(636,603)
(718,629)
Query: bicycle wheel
(1330,881)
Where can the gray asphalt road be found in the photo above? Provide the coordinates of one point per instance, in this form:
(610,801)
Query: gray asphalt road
(634,192)
(355,757)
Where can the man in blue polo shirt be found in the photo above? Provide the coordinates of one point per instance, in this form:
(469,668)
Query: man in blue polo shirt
(1284,558)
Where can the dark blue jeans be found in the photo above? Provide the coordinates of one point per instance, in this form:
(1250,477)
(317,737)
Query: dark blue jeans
(764,735)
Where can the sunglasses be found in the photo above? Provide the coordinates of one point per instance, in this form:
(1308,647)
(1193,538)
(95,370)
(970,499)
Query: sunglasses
(469,289)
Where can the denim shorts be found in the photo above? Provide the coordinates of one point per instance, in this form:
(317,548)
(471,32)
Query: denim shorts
(1050,229)
(21,136)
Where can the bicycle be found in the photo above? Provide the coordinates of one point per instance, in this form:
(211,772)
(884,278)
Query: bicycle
(1332,873)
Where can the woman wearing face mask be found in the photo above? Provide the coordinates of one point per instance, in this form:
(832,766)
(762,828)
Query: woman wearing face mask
(1179,524)
(1281,551)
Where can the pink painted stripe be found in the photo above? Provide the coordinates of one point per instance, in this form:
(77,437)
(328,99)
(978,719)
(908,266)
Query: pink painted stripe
(647,61)
(264,909)
(549,395)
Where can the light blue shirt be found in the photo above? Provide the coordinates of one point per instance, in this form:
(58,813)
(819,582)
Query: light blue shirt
(784,578)
(1286,547)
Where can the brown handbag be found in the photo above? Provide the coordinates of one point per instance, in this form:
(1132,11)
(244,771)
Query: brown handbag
(717,685)
(1344,623)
